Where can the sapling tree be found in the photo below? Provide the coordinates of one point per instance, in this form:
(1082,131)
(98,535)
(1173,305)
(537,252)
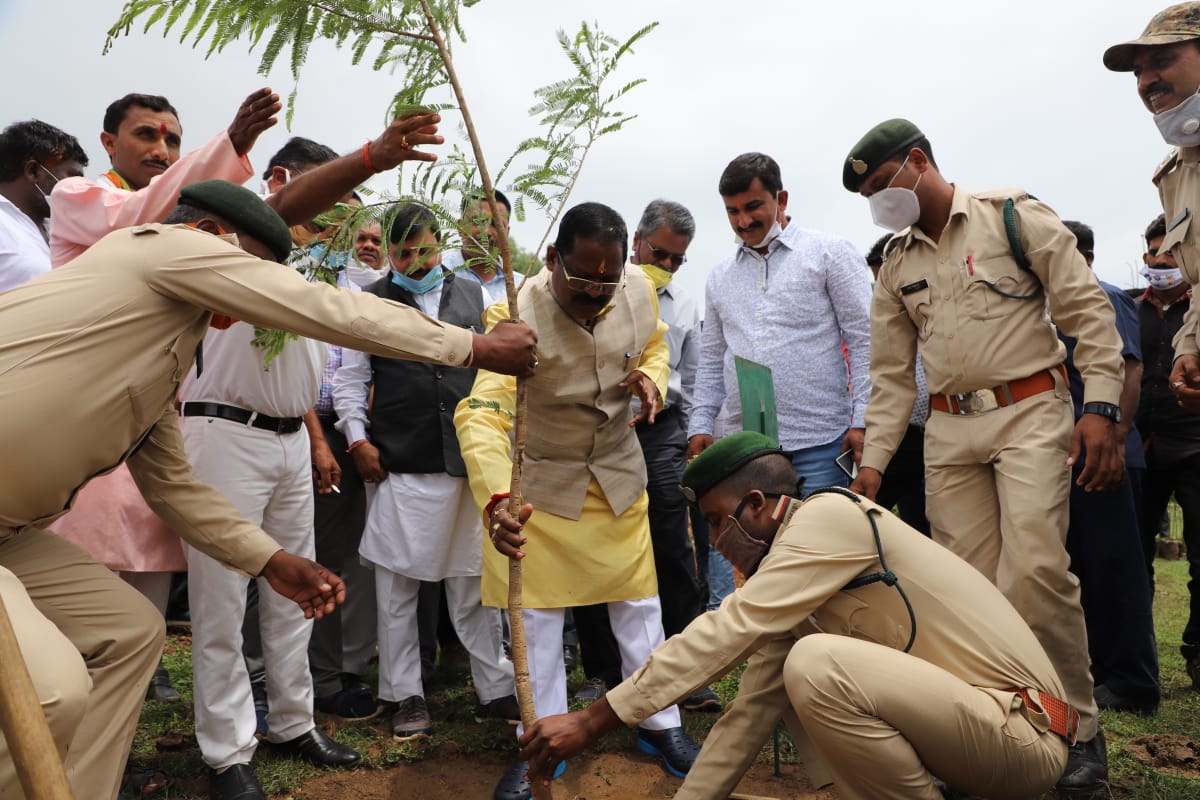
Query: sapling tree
(419,37)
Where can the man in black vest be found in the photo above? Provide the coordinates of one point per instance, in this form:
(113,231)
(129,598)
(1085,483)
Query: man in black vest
(422,523)
(1171,433)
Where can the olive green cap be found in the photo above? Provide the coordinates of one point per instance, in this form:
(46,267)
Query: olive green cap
(243,208)
(723,458)
(881,143)
(1179,23)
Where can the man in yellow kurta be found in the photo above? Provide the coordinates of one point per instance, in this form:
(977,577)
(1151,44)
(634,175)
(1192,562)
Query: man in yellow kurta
(600,341)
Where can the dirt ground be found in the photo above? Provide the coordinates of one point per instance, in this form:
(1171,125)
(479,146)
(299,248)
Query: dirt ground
(1177,756)
(604,776)
(449,775)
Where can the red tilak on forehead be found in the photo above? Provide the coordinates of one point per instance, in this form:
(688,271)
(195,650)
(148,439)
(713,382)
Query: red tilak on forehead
(162,128)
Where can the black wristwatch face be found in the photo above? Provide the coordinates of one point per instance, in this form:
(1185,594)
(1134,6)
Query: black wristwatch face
(1113,412)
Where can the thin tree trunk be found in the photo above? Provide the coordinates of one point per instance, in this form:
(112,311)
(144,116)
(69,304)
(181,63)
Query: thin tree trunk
(24,725)
(516,620)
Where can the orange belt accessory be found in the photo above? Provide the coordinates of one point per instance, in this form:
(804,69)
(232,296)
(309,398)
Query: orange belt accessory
(1006,393)
(1064,720)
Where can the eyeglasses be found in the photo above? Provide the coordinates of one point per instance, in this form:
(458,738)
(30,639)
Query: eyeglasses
(602,288)
(677,260)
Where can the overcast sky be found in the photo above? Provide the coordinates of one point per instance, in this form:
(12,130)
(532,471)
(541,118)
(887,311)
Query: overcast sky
(1011,94)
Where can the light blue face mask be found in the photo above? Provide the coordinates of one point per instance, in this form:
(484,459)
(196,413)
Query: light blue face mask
(330,259)
(426,284)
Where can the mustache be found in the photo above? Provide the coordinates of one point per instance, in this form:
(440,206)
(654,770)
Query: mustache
(156,161)
(1157,86)
(751,227)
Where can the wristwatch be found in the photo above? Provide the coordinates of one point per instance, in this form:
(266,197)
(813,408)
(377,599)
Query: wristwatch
(1108,410)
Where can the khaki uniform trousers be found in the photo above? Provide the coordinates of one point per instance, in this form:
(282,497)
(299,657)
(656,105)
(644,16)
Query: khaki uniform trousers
(997,489)
(885,722)
(90,642)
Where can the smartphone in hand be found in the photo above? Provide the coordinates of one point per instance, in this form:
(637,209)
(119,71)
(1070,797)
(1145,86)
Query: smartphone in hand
(846,462)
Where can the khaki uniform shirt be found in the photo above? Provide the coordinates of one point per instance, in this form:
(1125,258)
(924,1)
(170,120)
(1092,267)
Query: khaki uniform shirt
(935,296)
(1178,182)
(964,625)
(91,356)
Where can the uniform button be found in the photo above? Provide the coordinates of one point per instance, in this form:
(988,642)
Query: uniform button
(167,349)
(453,357)
(437,373)
(639,714)
(441,406)
(946,296)
(600,363)
(949,335)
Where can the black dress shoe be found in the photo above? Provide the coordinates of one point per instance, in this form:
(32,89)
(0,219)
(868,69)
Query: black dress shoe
(1112,701)
(161,688)
(1086,774)
(317,748)
(236,783)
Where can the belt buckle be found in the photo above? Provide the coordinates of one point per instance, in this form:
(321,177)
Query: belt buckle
(976,402)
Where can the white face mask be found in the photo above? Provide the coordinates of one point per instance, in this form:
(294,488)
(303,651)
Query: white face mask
(1180,125)
(1162,279)
(896,208)
(773,234)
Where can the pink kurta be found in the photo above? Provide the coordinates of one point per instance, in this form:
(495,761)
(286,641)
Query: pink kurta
(82,212)
(110,519)
(113,523)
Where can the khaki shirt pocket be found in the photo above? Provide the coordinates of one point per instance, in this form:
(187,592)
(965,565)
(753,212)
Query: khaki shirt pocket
(847,614)
(919,305)
(1182,245)
(996,287)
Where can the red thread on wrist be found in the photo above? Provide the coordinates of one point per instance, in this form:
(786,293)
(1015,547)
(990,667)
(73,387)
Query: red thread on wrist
(366,157)
(491,506)
(359,443)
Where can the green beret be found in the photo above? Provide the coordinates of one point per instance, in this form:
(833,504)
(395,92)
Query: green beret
(1179,23)
(725,457)
(882,143)
(243,208)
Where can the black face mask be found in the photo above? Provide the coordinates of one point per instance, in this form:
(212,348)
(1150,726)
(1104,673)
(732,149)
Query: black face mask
(744,551)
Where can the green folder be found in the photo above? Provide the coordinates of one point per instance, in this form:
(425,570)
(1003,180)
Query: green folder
(756,388)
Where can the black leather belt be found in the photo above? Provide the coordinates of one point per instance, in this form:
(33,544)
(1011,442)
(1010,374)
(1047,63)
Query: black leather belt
(242,417)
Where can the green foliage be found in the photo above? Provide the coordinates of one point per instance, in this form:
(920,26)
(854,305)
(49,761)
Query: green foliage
(397,29)
(573,113)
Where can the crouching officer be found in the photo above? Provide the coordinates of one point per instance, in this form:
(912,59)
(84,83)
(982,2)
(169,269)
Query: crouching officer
(890,656)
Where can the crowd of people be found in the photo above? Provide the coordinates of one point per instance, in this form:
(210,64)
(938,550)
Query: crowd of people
(933,613)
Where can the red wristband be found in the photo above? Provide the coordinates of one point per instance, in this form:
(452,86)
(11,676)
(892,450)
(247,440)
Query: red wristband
(366,157)
(360,442)
(491,506)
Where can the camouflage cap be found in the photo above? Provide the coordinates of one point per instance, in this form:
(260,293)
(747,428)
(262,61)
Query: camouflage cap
(881,143)
(1179,23)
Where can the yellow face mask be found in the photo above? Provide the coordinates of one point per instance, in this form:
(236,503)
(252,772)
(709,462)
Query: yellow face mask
(657,276)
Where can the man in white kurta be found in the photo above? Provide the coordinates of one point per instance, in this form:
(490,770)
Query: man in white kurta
(422,522)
